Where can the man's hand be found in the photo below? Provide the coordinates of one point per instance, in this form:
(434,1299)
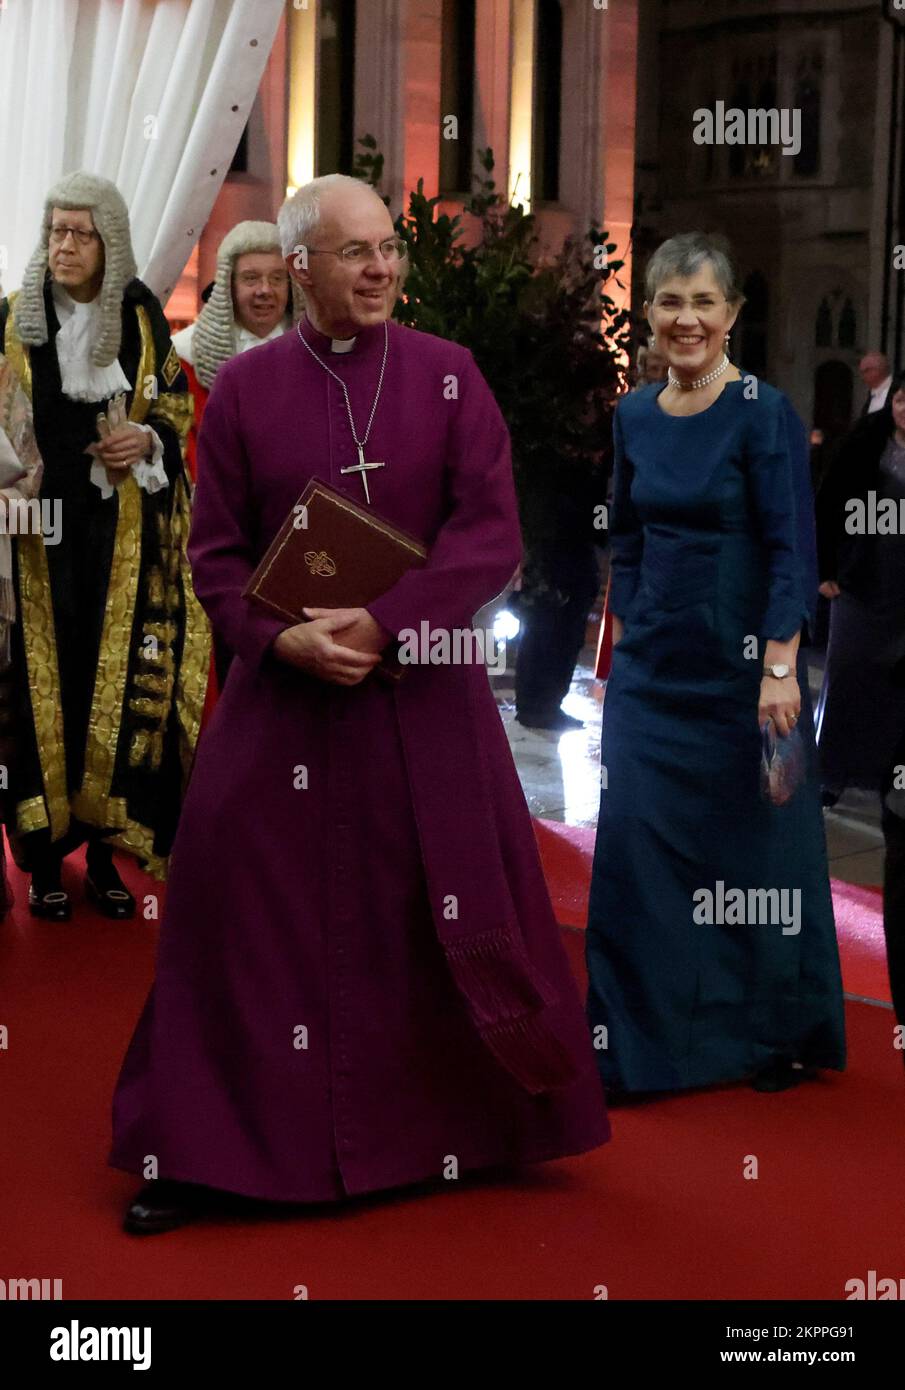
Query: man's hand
(312,647)
(830,589)
(122,448)
(361,632)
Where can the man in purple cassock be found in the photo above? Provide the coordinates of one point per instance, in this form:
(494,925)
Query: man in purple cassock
(360,982)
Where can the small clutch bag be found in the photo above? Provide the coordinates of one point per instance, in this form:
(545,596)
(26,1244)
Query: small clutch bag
(782,765)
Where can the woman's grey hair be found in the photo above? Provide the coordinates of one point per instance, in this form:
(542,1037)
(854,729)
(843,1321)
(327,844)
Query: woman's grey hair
(299,217)
(684,255)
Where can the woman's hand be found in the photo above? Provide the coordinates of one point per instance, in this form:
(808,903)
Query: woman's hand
(780,700)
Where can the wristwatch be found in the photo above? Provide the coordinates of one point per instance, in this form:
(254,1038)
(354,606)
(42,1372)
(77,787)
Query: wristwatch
(779,671)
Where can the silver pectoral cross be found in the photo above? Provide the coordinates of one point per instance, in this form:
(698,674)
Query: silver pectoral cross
(360,467)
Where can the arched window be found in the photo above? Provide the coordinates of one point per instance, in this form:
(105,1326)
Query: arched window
(823,330)
(848,326)
(336,87)
(547,101)
(457,65)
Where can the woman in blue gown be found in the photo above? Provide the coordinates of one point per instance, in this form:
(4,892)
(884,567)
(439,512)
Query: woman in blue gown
(712,577)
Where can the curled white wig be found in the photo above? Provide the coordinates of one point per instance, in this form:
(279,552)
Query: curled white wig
(214,341)
(110,215)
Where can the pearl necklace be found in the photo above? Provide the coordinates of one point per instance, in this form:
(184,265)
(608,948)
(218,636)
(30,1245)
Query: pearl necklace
(699,382)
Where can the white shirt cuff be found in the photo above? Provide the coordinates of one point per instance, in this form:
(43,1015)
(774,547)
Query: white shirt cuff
(150,473)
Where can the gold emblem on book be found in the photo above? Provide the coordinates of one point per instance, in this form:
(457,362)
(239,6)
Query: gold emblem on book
(319,562)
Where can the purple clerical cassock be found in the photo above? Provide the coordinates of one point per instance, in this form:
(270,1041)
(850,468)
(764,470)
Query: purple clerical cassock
(359,974)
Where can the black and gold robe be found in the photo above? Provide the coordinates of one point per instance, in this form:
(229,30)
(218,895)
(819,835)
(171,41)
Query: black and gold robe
(111,648)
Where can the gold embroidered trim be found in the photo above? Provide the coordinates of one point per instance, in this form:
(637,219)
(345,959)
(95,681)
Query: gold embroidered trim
(137,839)
(147,365)
(175,408)
(39,638)
(16,351)
(93,803)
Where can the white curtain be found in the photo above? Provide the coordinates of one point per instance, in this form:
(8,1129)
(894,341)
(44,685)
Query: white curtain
(153,94)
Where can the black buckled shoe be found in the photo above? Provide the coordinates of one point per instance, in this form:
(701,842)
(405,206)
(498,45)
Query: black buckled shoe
(163,1205)
(53,906)
(117,903)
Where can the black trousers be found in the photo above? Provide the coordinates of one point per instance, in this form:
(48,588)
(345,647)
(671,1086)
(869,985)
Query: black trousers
(551,638)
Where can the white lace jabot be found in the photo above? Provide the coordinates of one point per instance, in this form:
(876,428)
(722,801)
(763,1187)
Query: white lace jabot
(82,380)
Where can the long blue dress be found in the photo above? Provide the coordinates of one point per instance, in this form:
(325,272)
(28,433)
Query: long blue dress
(712,545)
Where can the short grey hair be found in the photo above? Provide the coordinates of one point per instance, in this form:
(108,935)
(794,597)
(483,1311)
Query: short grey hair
(684,255)
(299,217)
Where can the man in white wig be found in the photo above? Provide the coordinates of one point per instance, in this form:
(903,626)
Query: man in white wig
(252,301)
(111,649)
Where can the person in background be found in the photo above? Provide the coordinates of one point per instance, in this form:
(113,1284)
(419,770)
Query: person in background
(250,301)
(560,581)
(861,711)
(877,377)
(652,365)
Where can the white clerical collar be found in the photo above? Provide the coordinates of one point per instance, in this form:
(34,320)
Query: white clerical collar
(342,344)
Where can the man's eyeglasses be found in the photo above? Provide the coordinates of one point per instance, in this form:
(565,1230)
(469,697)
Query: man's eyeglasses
(59,233)
(393,249)
(277,281)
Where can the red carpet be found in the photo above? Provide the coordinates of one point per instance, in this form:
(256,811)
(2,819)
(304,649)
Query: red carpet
(567,852)
(662,1212)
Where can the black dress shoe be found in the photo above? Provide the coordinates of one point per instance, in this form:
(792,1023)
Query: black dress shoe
(114,902)
(163,1205)
(560,722)
(103,885)
(782,1075)
(53,906)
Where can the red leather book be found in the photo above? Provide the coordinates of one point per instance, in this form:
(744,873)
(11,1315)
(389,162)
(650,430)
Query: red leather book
(331,553)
